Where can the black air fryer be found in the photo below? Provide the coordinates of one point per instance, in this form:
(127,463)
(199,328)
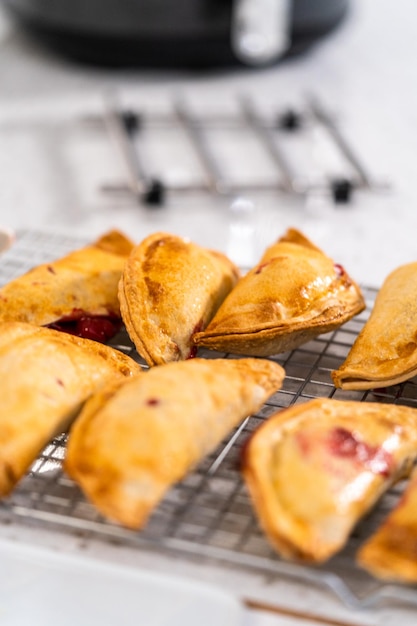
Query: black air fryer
(178,33)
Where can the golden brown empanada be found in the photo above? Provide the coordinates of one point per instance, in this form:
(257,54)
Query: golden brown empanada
(391,552)
(315,469)
(133,441)
(385,351)
(45,377)
(295,293)
(80,286)
(171,288)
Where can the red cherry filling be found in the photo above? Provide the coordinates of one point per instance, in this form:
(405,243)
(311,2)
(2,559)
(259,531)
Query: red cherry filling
(99,328)
(152,401)
(346,444)
(262,266)
(339,269)
(194,349)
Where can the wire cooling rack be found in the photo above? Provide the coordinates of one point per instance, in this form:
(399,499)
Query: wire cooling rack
(209,515)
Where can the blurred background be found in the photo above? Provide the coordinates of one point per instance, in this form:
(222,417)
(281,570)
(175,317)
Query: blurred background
(223,121)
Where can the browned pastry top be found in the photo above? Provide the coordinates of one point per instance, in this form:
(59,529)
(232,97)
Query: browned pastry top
(83,282)
(133,441)
(385,351)
(171,288)
(46,376)
(313,470)
(391,552)
(294,293)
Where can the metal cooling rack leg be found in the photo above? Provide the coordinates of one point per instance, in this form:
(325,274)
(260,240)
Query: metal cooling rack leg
(321,115)
(146,189)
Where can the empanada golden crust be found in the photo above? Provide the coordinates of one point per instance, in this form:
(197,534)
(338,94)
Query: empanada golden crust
(82,283)
(45,377)
(315,469)
(295,293)
(171,288)
(385,351)
(391,552)
(133,441)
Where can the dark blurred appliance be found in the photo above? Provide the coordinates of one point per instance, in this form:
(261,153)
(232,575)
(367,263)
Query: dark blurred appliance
(178,33)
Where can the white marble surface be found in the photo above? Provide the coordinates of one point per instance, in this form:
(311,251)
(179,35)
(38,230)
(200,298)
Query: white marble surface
(49,179)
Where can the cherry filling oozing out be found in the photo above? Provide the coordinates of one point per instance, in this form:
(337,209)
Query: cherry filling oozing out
(99,328)
(194,349)
(346,444)
(339,269)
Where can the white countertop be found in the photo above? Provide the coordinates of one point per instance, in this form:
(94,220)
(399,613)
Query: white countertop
(364,72)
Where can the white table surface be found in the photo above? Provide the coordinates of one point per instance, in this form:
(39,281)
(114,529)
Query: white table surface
(365,72)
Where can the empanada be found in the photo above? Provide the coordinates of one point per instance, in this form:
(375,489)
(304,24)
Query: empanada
(315,469)
(385,351)
(295,293)
(171,288)
(391,552)
(77,293)
(45,377)
(133,441)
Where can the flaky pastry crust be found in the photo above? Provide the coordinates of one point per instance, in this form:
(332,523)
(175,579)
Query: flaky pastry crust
(391,552)
(295,293)
(84,282)
(315,469)
(46,376)
(385,351)
(133,441)
(170,288)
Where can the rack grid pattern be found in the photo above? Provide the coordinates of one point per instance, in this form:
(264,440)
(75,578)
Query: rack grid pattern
(209,514)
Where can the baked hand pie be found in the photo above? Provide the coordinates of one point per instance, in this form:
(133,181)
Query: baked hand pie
(171,288)
(391,552)
(385,351)
(77,293)
(315,469)
(295,293)
(133,441)
(46,376)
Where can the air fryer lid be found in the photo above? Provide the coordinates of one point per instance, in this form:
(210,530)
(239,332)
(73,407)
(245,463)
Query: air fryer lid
(178,32)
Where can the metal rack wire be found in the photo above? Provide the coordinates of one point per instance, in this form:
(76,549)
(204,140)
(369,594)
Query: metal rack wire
(128,128)
(183,152)
(209,515)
